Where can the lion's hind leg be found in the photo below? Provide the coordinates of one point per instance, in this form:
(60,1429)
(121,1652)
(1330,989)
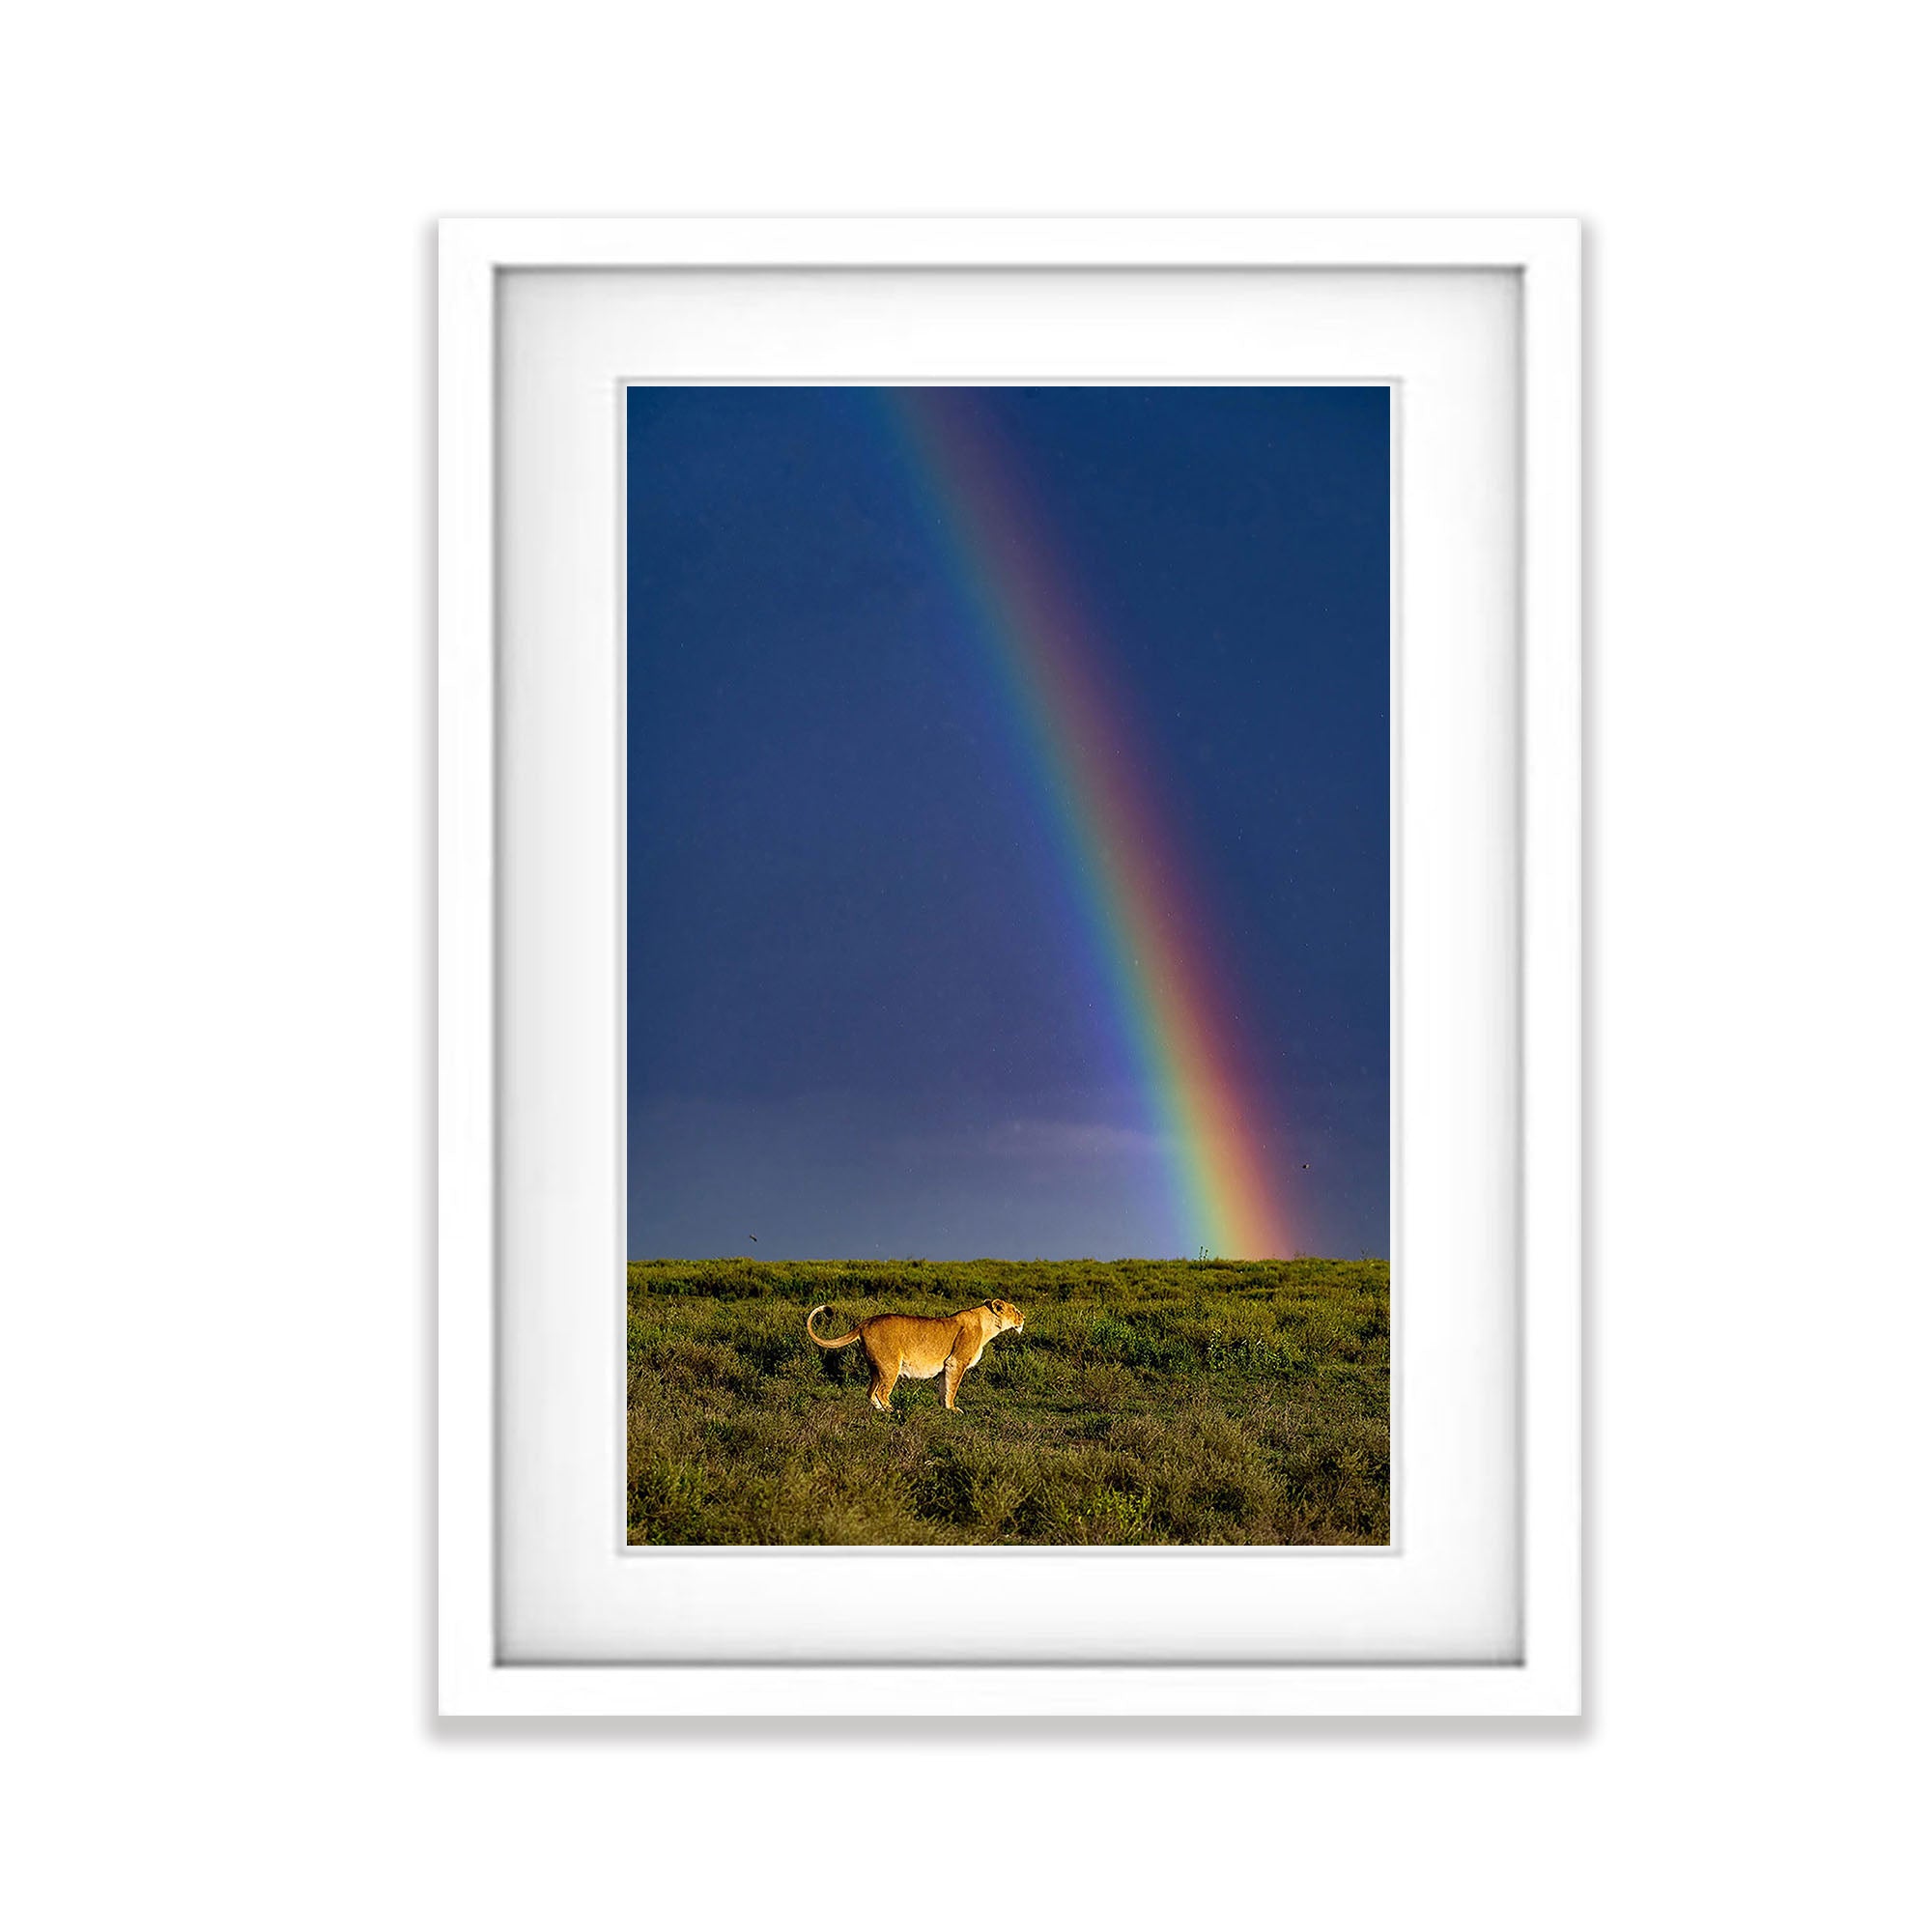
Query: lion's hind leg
(885,1375)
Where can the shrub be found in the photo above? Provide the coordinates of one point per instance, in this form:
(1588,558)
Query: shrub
(1146,1402)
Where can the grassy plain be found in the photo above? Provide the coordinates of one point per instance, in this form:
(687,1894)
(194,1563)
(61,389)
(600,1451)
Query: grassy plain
(1145,1402)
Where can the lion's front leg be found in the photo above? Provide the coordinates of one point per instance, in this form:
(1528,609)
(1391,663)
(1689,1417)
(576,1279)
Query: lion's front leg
(956,1364)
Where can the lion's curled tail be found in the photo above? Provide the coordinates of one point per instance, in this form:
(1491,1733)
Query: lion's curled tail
(843,1342)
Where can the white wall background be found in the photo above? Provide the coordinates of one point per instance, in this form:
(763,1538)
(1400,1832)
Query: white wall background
(212,767)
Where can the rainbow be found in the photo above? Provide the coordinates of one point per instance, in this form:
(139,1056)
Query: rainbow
(1147,926)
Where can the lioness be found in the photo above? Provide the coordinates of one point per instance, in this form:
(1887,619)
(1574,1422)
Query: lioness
(923,1346)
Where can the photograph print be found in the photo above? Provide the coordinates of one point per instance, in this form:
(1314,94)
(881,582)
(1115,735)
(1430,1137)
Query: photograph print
(1008,975)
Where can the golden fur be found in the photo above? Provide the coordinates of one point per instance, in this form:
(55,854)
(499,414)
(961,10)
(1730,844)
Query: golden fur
(923,1346)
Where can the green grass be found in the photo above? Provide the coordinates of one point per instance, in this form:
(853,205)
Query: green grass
(1145,1402)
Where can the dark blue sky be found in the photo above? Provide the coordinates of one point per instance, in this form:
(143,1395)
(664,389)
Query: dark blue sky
(865,1016)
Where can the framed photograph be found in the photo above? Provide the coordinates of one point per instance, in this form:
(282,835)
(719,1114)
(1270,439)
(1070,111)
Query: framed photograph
(1009,967)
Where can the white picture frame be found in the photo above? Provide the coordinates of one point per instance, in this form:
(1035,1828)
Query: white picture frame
(1540,1674)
